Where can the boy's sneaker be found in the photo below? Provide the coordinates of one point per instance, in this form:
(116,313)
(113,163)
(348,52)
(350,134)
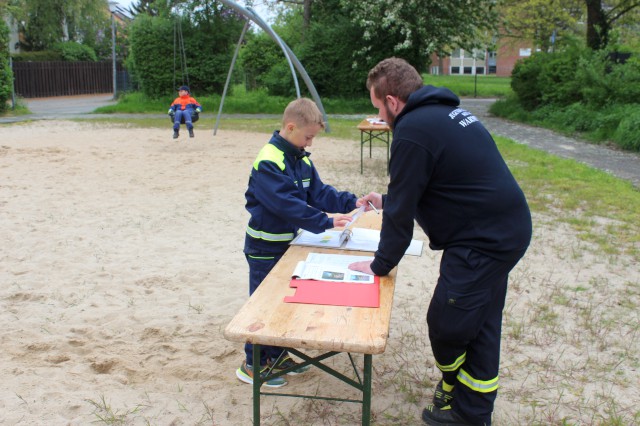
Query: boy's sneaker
(286,362)
(245,374)
(176,133)
(441,398)
(191,133)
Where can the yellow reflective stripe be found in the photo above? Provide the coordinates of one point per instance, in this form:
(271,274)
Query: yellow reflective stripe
(484,386)
(456,364)
(262,257)
(307,161)
(268,236)
(270,153)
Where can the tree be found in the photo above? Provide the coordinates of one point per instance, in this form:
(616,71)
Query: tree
(6,75)
(539,20)
(418,28)
(47,22)
(209,32)
(601,17)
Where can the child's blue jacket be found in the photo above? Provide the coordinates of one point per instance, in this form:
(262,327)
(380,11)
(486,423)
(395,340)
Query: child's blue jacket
(285,193)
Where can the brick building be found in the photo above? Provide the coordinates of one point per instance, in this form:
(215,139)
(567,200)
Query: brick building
(499,62)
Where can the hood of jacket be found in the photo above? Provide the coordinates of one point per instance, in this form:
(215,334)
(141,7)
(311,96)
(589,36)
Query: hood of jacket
(429,95)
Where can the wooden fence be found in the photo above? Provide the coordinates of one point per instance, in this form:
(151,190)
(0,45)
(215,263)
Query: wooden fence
(43,79)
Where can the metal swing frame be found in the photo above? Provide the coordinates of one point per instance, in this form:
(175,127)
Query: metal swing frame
(288,53)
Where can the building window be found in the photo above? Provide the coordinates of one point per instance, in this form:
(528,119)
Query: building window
(455,70)
(492,69)
(456,53)
(525,51)
(479,70)
(467,70)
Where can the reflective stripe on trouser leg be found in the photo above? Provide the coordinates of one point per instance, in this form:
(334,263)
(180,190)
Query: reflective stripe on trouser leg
(450,371)
(477,385)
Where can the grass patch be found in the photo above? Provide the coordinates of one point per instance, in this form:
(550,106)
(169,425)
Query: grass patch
(241,101)
(481,86)
(601,208)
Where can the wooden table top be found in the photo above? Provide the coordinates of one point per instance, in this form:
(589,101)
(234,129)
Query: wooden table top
(366,125)
(267,320)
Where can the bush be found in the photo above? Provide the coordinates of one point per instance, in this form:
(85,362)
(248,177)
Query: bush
(71,51)
(41,56)
(628,133)
(6,76)
(525,80)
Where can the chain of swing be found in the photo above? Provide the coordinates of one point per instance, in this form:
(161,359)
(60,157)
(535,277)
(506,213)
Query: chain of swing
(178,48)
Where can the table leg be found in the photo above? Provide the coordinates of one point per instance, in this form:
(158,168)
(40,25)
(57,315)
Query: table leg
(366,392)
(361,149)
(257,383)
(388,149)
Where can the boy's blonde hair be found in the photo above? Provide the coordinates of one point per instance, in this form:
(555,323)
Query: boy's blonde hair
(302,112)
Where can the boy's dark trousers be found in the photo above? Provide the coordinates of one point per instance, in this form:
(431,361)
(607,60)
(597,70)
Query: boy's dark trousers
(259,267)
(465,319)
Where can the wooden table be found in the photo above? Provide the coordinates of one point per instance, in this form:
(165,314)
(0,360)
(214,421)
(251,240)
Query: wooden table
(265,319)
(370,132)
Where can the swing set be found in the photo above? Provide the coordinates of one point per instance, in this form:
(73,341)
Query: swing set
(252,16)
(178,47)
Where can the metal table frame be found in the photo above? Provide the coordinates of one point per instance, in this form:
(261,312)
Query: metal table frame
(363,385)
(369,134)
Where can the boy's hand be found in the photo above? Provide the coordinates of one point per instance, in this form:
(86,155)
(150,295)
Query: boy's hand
(373,198)
(341,220)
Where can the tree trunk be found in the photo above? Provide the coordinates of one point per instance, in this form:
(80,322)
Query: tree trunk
(306,14)
(597,25)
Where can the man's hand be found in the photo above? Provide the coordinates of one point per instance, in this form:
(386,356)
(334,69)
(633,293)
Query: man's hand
(171,112)
(373,198)
(364,266)
(198,110)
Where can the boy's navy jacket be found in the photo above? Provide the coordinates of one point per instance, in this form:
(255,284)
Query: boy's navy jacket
(285,193)
(447,173)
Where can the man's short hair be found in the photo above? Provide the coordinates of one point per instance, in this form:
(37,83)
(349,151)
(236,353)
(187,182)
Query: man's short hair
(394,76)
(302,112)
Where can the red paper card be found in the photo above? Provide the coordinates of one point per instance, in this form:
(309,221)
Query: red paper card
(336,293)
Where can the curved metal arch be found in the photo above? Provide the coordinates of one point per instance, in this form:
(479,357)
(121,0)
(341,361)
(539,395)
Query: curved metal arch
(288,53)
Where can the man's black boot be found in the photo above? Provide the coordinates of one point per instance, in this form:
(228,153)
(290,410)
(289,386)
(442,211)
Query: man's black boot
(176,133)
(190,133)
(445,416)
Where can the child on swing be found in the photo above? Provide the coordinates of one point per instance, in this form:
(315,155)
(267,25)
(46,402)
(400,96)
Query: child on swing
(184,107)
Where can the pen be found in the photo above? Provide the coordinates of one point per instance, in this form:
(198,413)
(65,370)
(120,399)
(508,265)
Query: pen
(373,207)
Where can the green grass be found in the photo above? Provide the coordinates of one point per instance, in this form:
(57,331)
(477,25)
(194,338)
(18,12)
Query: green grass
(600,207)
(241,101)
(238,101)
(482,86)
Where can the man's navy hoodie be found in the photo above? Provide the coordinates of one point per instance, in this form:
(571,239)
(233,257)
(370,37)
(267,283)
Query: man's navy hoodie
(447,173)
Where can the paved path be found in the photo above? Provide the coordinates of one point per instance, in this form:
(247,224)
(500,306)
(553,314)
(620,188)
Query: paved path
(624,165)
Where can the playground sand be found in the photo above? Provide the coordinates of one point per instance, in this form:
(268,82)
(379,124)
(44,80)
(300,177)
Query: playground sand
(121,254)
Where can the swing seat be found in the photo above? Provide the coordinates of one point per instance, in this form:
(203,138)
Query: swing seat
(195,115)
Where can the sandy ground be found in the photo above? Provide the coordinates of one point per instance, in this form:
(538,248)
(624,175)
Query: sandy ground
(121,264)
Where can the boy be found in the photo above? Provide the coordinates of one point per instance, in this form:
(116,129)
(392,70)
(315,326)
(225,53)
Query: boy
(183,107)
(285,194)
